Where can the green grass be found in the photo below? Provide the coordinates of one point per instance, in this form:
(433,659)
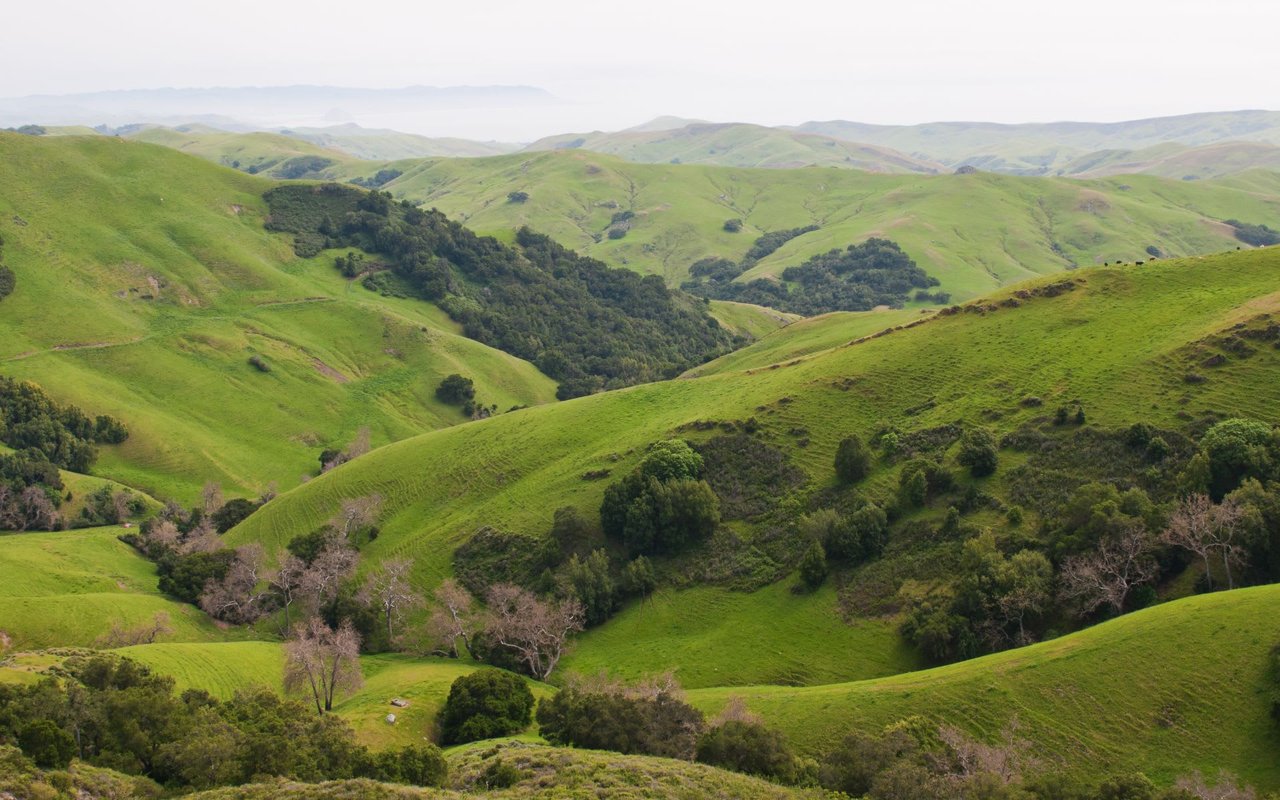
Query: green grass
(1168,690)
(92,225)
(67,588)
(749,320)
(709,636)
(808,336)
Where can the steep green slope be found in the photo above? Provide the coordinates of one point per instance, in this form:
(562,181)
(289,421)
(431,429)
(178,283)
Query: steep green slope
(1177,161)
(145,281)
(67,588)
(1167,690)
(737,145)
(1120,343)
(973,232)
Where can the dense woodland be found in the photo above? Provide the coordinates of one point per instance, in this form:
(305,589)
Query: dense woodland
(586,325)
(46,437)
(858,278)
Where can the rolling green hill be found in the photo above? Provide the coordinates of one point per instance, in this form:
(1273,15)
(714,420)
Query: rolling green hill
(1165,691)
(145,282)
(974,233)
(65,589)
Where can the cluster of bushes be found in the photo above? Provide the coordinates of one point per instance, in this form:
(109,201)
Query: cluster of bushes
(112,712)
(31,420)
(302,166)
(858,278)
(586,325)
(30,492)
(652,718)
(1256,235)
(458,390)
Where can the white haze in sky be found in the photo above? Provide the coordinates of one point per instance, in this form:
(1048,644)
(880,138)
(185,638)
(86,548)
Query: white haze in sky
(613,65)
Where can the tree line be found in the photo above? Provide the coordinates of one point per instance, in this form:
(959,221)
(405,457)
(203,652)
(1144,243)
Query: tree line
(588,326)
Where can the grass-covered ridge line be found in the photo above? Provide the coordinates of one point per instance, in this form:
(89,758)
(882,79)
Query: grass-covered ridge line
(146,282)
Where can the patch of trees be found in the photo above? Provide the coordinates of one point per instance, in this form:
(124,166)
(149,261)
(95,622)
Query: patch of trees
(663,506)
(113,712)
(301,166)
(858,278)
(769,243)
(65,435)
(1256,235)
(652,718)
(457,390)
(379,179)
(586,325)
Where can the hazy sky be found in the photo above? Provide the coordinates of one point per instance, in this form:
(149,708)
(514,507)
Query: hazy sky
(617,64)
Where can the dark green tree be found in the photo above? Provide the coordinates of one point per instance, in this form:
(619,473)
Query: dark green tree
(979,452)
(853,460)
(485,704)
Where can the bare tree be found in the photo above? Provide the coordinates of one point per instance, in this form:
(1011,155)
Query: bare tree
(1121,563)
(211,497)
(37,509)
(1226,788)
(735,711)
(322,663)
(161,536)
(235,598)
(146,633)
(452,618)
(321,581)
(1204,529)
(388,589)
(535,630)
(203,538)
(286,583)
(356,513)
(359,445)
(120,505)
(967,758)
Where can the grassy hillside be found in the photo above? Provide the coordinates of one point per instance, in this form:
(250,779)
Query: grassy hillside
(66,589)
(1119,343)
(1165,691)
(386,145)
(737,145)
(259,152)
(145,282)
(973,232)
(1177,161)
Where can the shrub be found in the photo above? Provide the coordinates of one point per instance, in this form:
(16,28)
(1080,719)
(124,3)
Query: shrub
(853,460)
(47,744)
(751,748)
(813,566)
(1256,235)
(517,197)
(733,225)
(414,764)
(456,390)
(485,704)
(232,513)
(978,452)
(1237,448)
(860,536)
(259,364)
(591,583)
(7,282)
(650,720)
